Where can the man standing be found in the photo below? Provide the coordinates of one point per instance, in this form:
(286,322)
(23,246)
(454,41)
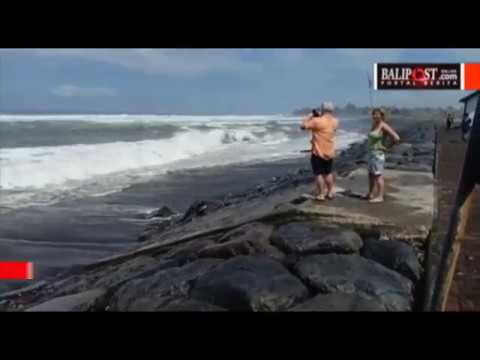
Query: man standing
(323,127)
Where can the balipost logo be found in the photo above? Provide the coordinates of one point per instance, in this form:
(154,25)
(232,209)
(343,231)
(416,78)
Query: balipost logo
(418,76)
(442,76)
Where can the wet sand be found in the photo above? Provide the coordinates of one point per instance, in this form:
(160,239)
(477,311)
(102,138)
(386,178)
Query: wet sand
(78,232)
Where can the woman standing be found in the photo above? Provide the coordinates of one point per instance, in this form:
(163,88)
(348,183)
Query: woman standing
(376,155)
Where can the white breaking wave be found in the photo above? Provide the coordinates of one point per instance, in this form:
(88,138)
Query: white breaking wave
(43,166)
(45,175)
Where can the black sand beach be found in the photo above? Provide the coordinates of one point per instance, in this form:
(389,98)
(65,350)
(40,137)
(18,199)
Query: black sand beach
(78,232)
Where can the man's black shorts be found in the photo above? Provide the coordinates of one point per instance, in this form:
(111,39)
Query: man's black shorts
(321,166)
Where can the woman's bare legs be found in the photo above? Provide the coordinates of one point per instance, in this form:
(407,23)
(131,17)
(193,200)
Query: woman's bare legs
(371,186)
(380,187)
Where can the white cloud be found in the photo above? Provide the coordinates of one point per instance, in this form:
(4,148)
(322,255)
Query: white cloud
(77,91)
(158,61)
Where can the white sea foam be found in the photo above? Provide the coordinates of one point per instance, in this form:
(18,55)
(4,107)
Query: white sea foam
(43,166)
(47,174)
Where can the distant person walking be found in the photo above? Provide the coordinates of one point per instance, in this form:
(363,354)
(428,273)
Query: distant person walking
(449,121)
(376,155)
(323,126)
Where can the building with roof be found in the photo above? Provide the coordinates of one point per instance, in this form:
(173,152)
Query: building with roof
(470,102)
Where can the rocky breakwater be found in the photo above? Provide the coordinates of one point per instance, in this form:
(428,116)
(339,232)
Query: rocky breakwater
(270,249)
(259,266)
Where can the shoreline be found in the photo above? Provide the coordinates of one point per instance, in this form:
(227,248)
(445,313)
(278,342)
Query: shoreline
(78,232)
(349,161)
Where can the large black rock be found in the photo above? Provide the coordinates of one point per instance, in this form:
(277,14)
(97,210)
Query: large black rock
(163,212)
(189,251)
(250,239)
(352,273)
(158,290)
(254,230)
(248,283)
(309,238)
(201,208)
(340,302)
(109,276)
(395,255)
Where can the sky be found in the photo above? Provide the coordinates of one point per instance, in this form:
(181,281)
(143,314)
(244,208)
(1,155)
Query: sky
(206,81)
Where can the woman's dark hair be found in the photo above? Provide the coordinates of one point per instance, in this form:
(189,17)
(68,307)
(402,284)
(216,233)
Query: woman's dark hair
(315,112)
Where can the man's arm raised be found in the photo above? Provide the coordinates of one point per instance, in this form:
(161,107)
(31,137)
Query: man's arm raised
(306,124)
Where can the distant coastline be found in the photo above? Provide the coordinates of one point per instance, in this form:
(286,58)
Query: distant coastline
(422,112)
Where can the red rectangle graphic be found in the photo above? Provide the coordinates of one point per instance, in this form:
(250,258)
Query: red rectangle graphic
(472,76)
(20,270)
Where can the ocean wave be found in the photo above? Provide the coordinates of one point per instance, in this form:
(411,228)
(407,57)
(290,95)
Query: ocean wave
(43,175)
(58,183)
(38,167)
